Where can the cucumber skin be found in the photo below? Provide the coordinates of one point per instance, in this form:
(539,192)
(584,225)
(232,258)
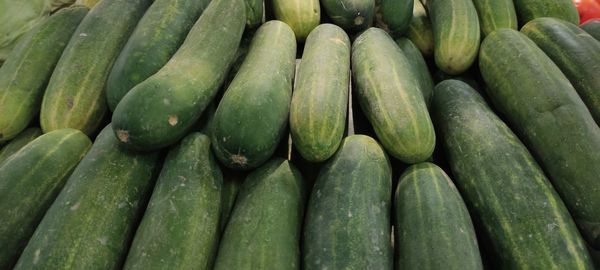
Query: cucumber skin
(301,15)
(505,189)
(432,221)
(420,31)
(391,98)
(419,67)
(351,15)
(546,111)
(575,52)
(496,14)
(593,28)
(347,223)
(528,10)
(92,221)
(182,217)
(155,39)
(396,14)
(264,228)
(161,110)
(24,75)
(320,99)
(18,142)
(254,13)
(253,113)
(30,181)
(75,97)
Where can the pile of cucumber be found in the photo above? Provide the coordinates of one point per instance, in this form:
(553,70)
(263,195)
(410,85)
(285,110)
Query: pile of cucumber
(302,134)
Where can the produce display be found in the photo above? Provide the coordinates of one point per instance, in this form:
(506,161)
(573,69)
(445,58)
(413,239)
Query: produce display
(300,134)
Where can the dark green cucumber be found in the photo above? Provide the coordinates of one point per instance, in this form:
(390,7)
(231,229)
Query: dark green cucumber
(396,15)
(254,13)
(91,223)
(30,181)
(432,226)
(456,34)
(320,99)
(592,27)
(24,75)
(162,109)
(264,229)
(352,15)
(182,218)
(347,224)
(545,111)
(232,181)
(528,10)
(419,30)
(419,67)
(301,15)
(496,14)
(155,39)
(390,96)
(575,52)
(524,219)
(18,142)
(75,97)
(253,113)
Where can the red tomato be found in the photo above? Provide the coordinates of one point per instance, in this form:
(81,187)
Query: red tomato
(588,9)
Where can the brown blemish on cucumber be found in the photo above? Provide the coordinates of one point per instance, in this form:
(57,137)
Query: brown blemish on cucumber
(123,135)
(173,120)
(70,102)
(239,159)
(359,20)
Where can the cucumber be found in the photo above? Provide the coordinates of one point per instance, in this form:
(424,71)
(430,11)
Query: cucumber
(75,97)
(18,142)
(254,13)
(396,15)
(351,15)
(496,14)
(418,66)
(232,181)
(528,10)
(155,39)
(182,218)
(419,30)
(301,15)
(91,223)
(264,229)
(575,52)
(432,221)
(252,115)
(30,181)
(161,110)
(24,75)
(592,27)
(456,34)
(347,223)
(544,110)
(320,99)
(390,96)
(526,222)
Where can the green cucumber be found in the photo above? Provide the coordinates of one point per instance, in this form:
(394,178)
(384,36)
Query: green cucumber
(320,99)
(351,15)
(18,142)
(91,223)
(182,218)
(75,94)
(254,13)
(545,111)
(162,109)
(390,96)
(575,52)
(456,34)
(419,67)
(592,27)
(528,10)
(347,223)
(396,15)
(252,115)
(432,221)
(419,30)
(301,15)
(496,14)
(24,75)
(264,229)
(524,219)
(155,39)
(30,181)
(232,181)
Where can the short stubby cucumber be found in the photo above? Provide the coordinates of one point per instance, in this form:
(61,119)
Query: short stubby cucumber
(528,10)
(496,14)
(351,15)
(301,15)
(419,67)
(254,13)
(395,15)
(419,30)
(592,27)
(18,142)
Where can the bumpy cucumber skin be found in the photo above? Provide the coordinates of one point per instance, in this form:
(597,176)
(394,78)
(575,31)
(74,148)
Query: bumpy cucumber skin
(155,39)
(254,13)
(18,142)
(396,15)
(593,28)
(253,113)
(496,14)
(301,15)
(24,75)
(161,110)
(528,10)
(420,31)
(320,99)
(91,223)
(419,67)
(351,15)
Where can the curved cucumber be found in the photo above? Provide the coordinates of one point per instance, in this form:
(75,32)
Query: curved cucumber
(593,28)
(528,10)
(162,109)
(496,14)
(419,67)
(254,13)
(396,15)
(251,117)
(352,15)
(320,99)
(155,39)
(18,142)
(29,183)
(419,30)
(301,15)
(24,75)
